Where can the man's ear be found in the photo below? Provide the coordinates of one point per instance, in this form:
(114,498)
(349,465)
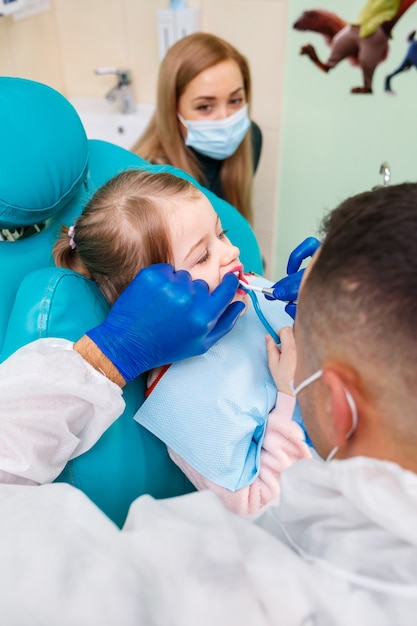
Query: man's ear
(340,409)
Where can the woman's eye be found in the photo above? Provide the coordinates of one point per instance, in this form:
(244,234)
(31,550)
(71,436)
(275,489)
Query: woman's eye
(223,234)
(237,101)
(204,108)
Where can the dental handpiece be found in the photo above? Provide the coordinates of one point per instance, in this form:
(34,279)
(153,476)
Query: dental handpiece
(269,291)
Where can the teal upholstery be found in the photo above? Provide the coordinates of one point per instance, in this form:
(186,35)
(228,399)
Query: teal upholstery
(128,460)
(49,171)
(44,164)
(45,152)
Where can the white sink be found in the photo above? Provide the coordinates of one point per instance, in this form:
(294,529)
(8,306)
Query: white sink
(103,120)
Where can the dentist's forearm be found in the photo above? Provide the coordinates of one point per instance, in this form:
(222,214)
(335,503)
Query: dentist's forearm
(95,357)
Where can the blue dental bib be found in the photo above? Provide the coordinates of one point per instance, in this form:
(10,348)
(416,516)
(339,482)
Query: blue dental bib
(212,409)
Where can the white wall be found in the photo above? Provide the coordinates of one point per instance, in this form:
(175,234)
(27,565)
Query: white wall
(63,46)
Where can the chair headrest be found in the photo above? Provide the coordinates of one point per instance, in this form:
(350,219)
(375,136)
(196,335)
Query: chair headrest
(43,152)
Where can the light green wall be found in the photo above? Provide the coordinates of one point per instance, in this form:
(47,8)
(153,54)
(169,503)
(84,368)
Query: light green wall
(334,142)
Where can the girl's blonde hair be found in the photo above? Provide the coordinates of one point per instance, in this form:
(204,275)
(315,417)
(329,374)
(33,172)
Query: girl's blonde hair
(162,141)
(122,229)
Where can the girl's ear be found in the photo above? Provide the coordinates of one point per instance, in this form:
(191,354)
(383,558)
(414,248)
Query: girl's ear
(340,409)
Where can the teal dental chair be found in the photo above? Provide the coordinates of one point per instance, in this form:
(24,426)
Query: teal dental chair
(49,170)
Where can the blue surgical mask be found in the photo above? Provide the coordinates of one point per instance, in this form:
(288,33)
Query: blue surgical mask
(218,139)
(350,401)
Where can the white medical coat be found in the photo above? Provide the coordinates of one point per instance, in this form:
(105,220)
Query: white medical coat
(44,425)
(340,547)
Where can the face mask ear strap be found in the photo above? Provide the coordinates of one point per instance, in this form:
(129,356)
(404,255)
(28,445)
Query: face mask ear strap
(352,404)
(354,410)
(182,120)
(308,381)
(332,453)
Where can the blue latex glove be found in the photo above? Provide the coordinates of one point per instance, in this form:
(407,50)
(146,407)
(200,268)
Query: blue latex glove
(287,288)
(164,316)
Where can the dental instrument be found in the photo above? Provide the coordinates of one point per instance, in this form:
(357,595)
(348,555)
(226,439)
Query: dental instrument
(250,289)
(269,291)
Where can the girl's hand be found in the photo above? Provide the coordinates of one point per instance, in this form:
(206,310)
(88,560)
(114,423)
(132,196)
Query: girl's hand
(282,361)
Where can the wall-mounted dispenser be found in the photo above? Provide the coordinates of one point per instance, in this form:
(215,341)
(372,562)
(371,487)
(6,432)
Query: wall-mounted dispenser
(10,6)
(174,24)
(23,8)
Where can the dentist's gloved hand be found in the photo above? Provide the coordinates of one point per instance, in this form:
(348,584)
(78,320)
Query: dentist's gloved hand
(163,316)
(287,288)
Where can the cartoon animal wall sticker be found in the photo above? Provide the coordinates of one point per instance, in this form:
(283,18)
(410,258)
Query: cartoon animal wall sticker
(364,42)
(409,61)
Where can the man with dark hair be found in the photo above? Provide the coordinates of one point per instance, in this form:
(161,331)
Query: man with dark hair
(356,323)
(339,547)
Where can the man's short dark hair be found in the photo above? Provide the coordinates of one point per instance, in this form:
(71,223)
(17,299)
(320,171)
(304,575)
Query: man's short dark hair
(364,280)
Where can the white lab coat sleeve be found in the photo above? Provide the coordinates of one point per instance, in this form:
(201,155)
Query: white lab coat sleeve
(54,406)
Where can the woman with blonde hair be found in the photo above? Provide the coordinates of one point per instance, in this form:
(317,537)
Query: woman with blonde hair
(201,123)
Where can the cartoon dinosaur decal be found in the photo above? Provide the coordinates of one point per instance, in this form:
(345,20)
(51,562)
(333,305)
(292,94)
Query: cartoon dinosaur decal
(364,42)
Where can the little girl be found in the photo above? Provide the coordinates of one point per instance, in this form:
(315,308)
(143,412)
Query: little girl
(220,414)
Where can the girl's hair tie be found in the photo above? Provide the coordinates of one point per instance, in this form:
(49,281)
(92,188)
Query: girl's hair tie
(71,237)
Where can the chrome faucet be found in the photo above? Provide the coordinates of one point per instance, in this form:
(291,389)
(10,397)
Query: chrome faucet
(386,173)
(122,91)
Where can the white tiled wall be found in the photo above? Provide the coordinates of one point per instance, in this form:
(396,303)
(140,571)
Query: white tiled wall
(62,47)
